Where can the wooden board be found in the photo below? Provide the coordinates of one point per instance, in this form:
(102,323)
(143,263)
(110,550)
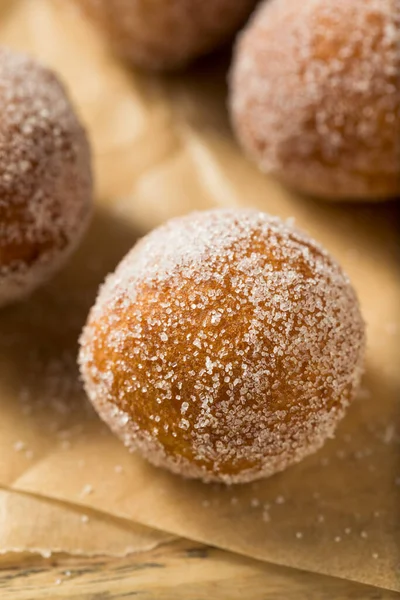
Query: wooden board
(179,570)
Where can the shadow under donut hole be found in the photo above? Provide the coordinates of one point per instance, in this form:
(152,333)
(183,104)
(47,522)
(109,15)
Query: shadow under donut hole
(39,337)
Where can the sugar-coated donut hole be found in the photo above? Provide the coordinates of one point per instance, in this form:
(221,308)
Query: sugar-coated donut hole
(315,95)
(45,175)
(166,34)
(226,346)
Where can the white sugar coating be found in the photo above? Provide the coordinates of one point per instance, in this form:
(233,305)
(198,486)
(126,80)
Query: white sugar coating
(45,175)
(87,490)
(315,95)
(19,446)
(273,373)
(266,517)
(167,35)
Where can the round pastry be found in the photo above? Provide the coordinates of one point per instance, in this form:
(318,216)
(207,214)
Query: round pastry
(167,34)
(226,346)
(45,175)
(315,95)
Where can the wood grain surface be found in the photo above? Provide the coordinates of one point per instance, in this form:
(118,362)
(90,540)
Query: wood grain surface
(179,570)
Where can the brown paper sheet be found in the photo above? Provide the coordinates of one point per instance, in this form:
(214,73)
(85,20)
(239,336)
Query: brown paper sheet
(29,524)
(163,147)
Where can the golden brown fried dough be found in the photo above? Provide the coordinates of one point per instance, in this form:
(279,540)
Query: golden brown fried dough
(315,95)
(45,175)
(226,346)
(167,34)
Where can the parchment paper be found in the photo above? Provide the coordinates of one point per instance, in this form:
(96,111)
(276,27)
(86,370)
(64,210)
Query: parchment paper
(29,524)
(163,147)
